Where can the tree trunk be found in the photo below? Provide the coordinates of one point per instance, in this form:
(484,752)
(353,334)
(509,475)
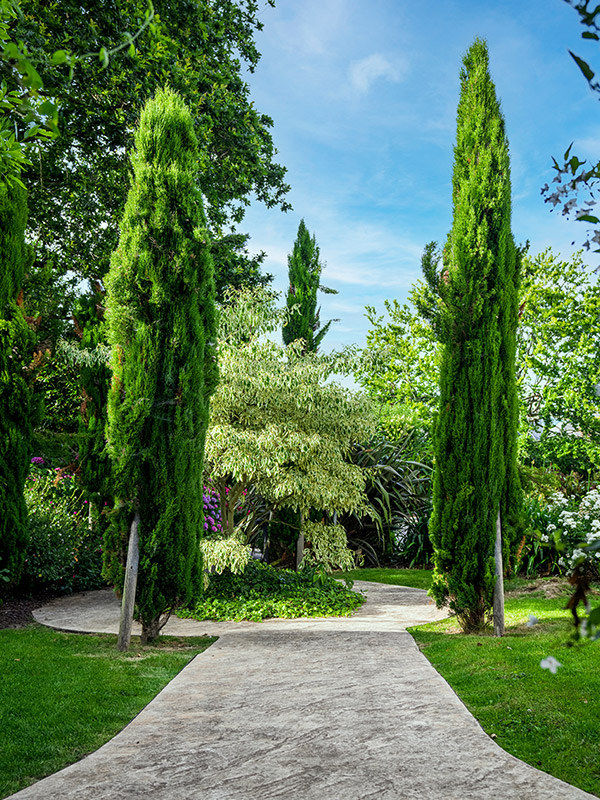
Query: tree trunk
(499,585)
(130,584)
(300,543)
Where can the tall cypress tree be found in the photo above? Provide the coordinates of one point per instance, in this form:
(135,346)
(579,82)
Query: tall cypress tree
(16,401)
(475,435)
(304,271)
(162,330)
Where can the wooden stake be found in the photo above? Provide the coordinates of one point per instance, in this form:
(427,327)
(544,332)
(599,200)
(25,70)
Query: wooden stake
(130,585)
(499,585)
(300,543)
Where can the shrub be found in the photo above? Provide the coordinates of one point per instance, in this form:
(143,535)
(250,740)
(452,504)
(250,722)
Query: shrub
(262,591)
(63,555)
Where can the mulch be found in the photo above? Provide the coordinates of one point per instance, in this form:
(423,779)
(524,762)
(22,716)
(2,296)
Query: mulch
(15,611)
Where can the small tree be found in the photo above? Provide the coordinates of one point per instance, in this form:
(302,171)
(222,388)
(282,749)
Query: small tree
(161,320)
(16,401)
(276,423)
(304,270)
(475,315)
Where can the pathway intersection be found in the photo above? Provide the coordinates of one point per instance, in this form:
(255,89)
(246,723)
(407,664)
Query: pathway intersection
(317,709)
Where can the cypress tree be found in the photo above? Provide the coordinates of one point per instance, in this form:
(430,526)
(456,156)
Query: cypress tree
(162,330)
(304,271)
(16,401)
(475,434)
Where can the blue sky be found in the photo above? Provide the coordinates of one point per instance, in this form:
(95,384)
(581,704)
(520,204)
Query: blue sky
(363,96)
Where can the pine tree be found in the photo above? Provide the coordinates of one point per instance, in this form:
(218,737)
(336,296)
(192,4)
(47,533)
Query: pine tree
(162,330)
(476,481)
(304,271)
(16,400)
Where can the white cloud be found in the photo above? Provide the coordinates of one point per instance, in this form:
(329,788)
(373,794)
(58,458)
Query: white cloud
(365,72)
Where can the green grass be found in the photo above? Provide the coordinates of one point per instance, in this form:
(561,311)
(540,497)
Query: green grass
(549,721)
(417,578)
(64,695)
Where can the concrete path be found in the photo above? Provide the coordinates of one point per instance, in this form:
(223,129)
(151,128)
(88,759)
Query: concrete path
(332,709)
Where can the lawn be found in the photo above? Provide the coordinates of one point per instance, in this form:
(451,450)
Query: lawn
(551,721)
(64,695)
(417,578)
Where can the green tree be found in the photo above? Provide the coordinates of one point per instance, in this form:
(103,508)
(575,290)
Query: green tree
(202,49)
(16,399)
(162,331)
(276,423)
(475,316)
(304,271)
(559,362)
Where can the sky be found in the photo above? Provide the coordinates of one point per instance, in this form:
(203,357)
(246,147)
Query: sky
(363,96)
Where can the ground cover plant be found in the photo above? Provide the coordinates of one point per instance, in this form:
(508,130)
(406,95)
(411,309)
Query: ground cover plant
(64,695)
(416,578)
(546,718)
(262,591)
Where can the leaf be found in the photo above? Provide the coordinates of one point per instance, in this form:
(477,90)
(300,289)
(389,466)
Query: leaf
(583,66)
(588,218)
(103,57)
(131,50)
(590,35)
(59,57)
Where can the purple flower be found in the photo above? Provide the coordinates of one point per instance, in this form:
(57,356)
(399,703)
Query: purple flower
(38,461)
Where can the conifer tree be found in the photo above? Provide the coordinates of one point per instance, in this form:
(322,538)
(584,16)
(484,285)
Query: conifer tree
(16,400)
(304,271)
(162,330)
(475,436)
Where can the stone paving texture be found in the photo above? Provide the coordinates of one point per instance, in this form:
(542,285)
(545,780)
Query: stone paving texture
(329,709)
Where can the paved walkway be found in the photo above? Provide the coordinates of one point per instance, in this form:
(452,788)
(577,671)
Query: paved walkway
(331,709)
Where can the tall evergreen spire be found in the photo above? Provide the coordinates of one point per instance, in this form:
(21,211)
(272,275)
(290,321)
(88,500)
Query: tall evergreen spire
(162,329)
(304,271)
(476,427)
(16,400)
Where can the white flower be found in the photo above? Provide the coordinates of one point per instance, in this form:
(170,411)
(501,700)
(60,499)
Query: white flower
(550,528)
(550,663)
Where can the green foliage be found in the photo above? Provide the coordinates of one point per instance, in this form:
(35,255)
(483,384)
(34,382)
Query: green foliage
(64,695)
(262,591)
(57,382)
(202,50)
(559,362)
(17,406)
(328,548)
(30,114)
(398,493)
(276,424)
(64,555)
(304,272)
(474,314)
(162,330)
(536,554)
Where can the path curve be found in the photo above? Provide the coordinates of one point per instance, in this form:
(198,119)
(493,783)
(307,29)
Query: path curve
(327,709)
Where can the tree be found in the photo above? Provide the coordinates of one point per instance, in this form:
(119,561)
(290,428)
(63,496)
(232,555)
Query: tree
(16,399)
(202,48)
(304,270)
(276,424)
(559,362)
(162,331)
(475,316)
(30,117)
